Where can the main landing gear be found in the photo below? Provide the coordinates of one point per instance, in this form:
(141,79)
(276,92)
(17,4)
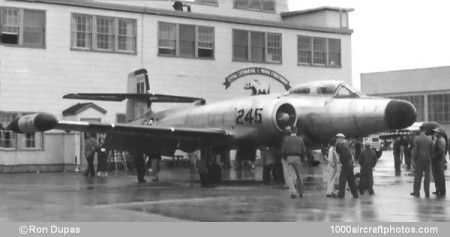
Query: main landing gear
(210,172)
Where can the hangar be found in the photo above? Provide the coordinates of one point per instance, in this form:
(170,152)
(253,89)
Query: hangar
(201,48)
(427,88)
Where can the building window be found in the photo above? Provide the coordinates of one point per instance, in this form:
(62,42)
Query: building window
(103,33)
(81,31)
(256,46)
(127,35)
(417,101)
(319,51)
(209,2)
(304,49)
(22,27)
(185,40)
(439,108)
(205,42)
(7,137)
(255,5)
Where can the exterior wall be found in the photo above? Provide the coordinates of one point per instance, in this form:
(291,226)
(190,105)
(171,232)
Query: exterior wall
(35,79)
(312,19)
(53,157)
(328,18)
(406,81)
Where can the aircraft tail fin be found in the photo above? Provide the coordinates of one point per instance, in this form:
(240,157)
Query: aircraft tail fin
(139,98)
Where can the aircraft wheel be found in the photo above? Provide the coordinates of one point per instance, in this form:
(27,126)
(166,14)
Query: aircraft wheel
(215,173)
(205,181)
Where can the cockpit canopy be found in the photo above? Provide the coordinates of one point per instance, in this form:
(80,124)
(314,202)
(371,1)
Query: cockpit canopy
(325,88)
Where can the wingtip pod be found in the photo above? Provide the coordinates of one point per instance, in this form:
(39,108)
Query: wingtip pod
(33,123)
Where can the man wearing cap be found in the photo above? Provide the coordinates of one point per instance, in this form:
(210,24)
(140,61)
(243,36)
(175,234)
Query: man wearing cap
(293,151)
(437,161)
(343,150)
(367,160)
(423,147)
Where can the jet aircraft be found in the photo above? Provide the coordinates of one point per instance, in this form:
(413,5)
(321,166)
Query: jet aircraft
(319,109)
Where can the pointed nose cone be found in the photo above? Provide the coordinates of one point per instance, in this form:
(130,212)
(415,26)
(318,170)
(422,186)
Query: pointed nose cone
(400,114)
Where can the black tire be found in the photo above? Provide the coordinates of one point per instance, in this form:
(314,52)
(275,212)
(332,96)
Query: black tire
(215,173)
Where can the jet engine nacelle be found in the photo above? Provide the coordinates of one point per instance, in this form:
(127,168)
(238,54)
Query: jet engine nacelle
(263,120)
(33,123)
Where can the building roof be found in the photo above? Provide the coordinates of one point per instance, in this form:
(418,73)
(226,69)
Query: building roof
(80,107)
(307,11)
(191,15)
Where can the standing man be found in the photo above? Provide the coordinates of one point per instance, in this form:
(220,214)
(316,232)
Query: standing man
(333,160)
(293,151)
(345,156)
(408,148)
(438,160)
(90,146)
(423,146)
(397,151)
(139,162)
(367,160)
(268,156)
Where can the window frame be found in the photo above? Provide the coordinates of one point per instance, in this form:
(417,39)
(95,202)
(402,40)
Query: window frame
(247,5)
(267,56)
(314,52)
(94,34)
(21,42)
(177,51)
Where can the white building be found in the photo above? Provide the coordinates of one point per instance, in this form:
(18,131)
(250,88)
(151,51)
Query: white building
(49,48)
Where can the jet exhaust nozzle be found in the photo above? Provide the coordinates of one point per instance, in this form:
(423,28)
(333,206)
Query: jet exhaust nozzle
(400,114)
(33,123)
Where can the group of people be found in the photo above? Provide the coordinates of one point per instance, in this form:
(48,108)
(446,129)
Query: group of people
(142,162)
(428,156)
(91,147)
(402,149)
(340,155)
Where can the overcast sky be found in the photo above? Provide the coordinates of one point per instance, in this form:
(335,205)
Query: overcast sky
(393,34)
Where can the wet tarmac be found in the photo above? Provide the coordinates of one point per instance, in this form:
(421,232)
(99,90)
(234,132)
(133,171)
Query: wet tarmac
(68,197)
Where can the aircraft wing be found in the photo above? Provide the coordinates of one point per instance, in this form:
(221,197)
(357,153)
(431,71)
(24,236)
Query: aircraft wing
(145,130)
(141,97)
(44,121)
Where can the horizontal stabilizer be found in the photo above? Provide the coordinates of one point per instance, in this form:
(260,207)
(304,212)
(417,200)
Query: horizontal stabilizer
(159,98)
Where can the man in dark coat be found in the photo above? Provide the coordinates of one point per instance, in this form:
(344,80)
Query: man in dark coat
(397,150)
(367,160)
(90,147)
(343,150)
(293,151)
(437,161)
(423,147)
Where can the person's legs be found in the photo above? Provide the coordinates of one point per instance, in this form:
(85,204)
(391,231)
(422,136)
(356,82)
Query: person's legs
(426,181)
(342,181)
(331,181)
(297,166)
